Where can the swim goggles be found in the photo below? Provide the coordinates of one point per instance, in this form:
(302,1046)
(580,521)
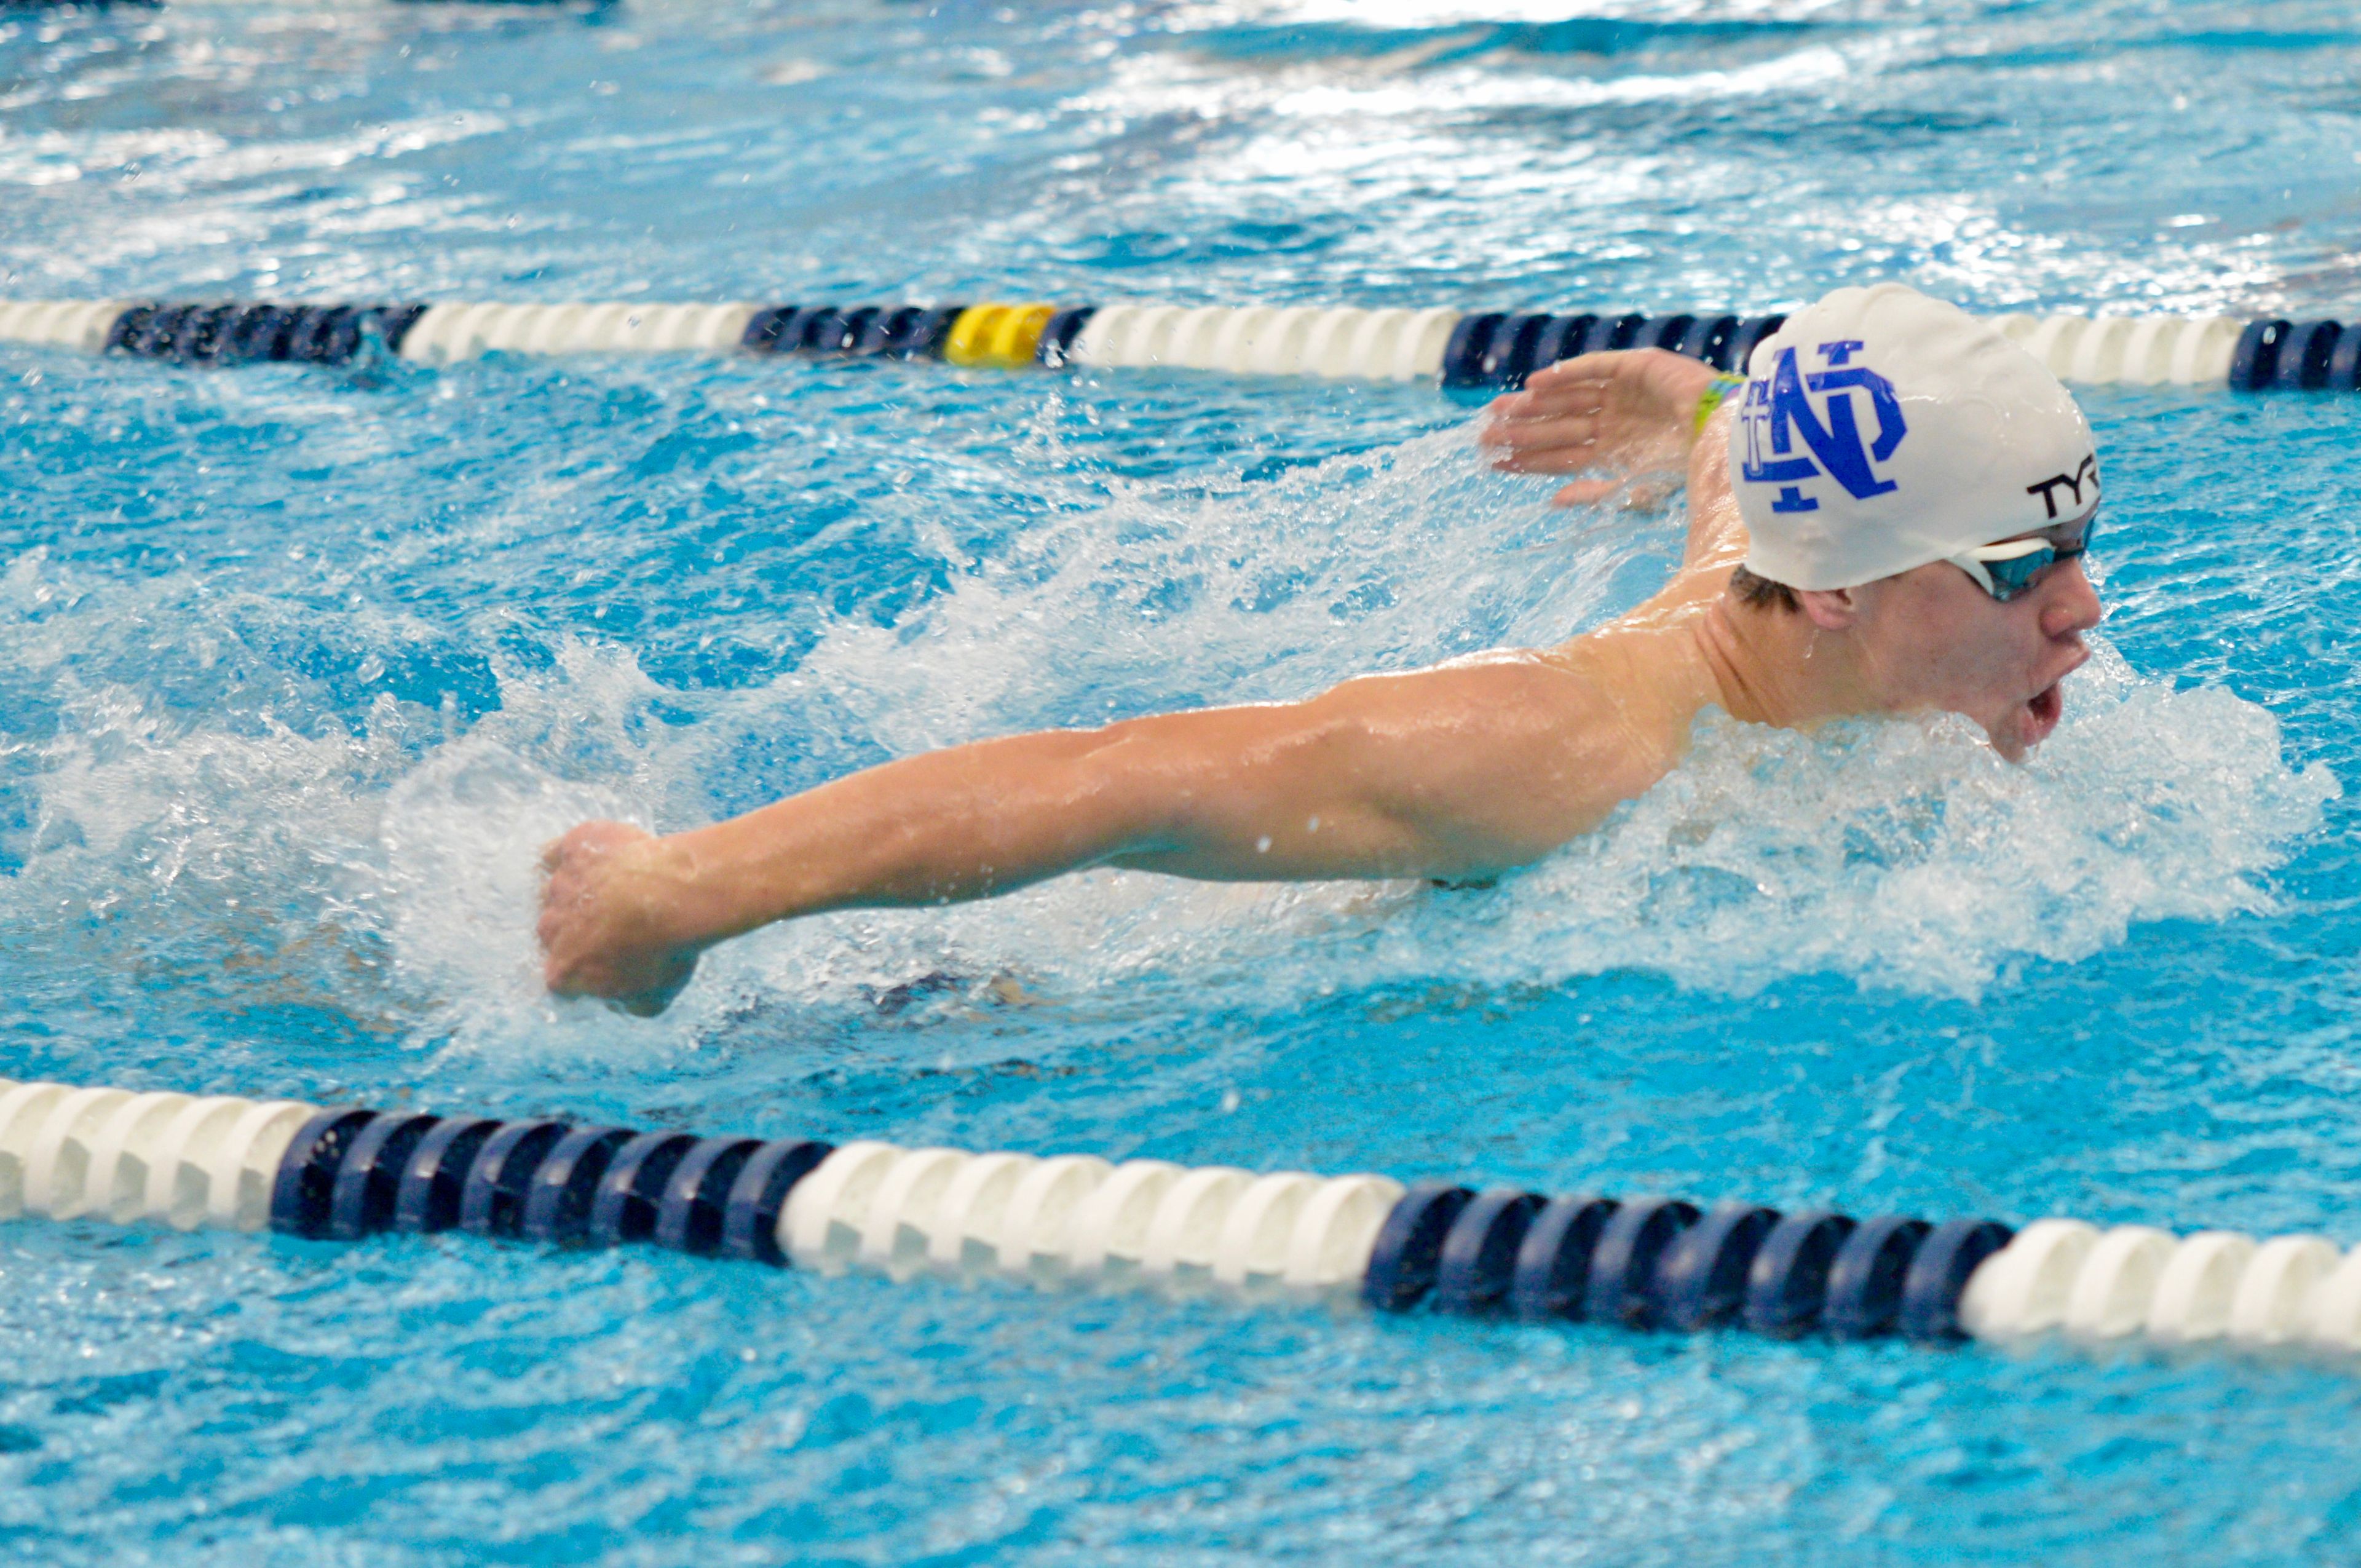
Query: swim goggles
(2009,568)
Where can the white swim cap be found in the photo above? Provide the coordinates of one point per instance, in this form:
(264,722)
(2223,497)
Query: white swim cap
(1882,429)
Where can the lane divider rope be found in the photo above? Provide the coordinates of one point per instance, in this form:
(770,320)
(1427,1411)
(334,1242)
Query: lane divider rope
(343,1173)
(1467,352)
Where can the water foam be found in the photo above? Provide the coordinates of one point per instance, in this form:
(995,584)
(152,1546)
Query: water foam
(1908,855)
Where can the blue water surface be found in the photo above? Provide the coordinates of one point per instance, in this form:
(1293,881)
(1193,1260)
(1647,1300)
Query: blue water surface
(298,668)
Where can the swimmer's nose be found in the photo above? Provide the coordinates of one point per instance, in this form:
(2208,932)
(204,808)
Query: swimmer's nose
(2069,604)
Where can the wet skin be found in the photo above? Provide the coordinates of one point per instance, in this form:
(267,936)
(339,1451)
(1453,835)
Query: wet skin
(1457,773)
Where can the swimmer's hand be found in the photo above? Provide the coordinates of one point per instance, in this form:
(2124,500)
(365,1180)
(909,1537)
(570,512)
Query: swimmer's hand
(607,920)
(1626,416)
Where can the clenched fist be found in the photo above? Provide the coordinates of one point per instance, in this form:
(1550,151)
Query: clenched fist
(609,919)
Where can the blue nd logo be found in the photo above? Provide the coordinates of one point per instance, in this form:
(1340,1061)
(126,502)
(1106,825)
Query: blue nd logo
(1777,411)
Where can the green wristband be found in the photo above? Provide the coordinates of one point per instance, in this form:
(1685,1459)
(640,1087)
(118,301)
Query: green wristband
(1719,389)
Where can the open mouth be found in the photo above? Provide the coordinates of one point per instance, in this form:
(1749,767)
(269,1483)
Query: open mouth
(2047,706)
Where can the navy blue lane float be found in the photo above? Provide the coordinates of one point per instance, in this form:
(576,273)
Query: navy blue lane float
(1468,353)
(245,334)
(1492,351)
(2293,356)
(349,1173)
(1660,1263)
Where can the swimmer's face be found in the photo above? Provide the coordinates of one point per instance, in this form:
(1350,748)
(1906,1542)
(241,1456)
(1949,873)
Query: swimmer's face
(1933,639)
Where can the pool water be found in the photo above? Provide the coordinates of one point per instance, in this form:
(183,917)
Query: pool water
(299,667)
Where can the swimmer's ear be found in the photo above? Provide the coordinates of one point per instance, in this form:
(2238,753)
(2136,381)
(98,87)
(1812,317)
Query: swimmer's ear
(1831,610)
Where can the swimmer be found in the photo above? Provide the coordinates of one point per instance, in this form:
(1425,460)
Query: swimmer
(1885,519)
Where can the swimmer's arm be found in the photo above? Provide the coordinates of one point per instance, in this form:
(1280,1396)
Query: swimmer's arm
(1716,535)
(1456,772)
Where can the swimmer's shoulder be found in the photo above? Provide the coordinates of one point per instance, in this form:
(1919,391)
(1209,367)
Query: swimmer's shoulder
(1598,720)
